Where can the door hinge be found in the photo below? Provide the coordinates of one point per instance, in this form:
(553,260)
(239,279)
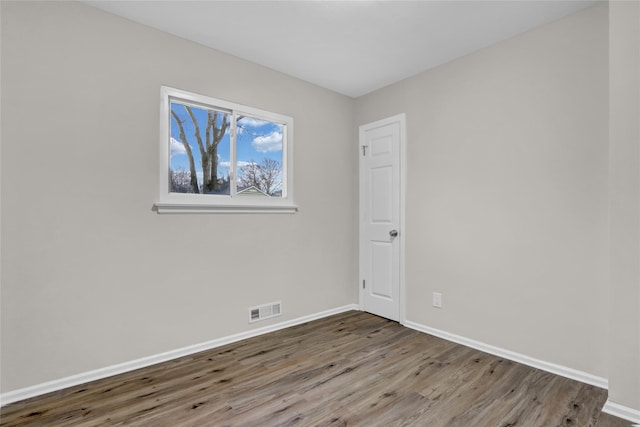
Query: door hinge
(363,284)
(364,150)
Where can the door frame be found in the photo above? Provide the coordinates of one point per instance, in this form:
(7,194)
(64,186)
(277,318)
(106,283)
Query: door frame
(401,120)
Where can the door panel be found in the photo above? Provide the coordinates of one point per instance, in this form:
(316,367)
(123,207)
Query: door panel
(381,198)
(382,270)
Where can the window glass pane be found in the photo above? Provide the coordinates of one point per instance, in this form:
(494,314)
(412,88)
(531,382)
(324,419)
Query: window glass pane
(259,157)
(200,147)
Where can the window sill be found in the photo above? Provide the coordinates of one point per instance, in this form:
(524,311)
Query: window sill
(188,208)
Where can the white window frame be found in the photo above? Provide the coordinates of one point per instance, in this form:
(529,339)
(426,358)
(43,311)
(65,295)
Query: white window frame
(216,203)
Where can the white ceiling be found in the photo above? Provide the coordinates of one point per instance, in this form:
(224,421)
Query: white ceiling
(351,47)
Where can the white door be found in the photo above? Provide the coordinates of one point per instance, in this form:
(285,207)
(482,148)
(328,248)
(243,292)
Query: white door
(381,234)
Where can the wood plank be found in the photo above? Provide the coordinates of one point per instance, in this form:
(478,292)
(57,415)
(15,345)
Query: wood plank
(352,369)
(606,420)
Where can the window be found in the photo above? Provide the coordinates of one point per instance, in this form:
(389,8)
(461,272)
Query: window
(217,156)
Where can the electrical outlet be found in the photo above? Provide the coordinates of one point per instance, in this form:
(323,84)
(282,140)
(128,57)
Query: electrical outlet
(437,299)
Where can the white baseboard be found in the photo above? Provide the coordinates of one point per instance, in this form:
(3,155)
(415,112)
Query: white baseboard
(62,383)
(563,371)
(622,411)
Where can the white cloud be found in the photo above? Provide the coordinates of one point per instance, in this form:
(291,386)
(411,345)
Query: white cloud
(177,147)
(228,164)
(267,143)
(242,163)
(252,122)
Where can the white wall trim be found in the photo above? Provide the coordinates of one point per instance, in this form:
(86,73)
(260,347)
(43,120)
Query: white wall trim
(622,411)
(563,371)
(62,383)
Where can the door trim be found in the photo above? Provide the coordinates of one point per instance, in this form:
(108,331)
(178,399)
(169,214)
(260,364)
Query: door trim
(401,120)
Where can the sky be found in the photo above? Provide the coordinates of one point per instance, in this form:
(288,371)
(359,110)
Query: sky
(256,139)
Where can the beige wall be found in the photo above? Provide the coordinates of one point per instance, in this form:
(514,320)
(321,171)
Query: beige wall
(91,276)
(507,192)
(624,333)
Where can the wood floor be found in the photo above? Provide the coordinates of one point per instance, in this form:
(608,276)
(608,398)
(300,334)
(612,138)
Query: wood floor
(352,369)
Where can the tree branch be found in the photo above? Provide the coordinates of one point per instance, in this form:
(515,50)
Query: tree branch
(197,129)
(187,148)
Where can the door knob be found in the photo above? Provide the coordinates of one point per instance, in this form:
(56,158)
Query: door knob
(393,233)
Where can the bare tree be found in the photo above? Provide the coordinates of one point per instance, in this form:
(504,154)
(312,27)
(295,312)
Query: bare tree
(265,176)
(180,181)
(187,148)
(217,126)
